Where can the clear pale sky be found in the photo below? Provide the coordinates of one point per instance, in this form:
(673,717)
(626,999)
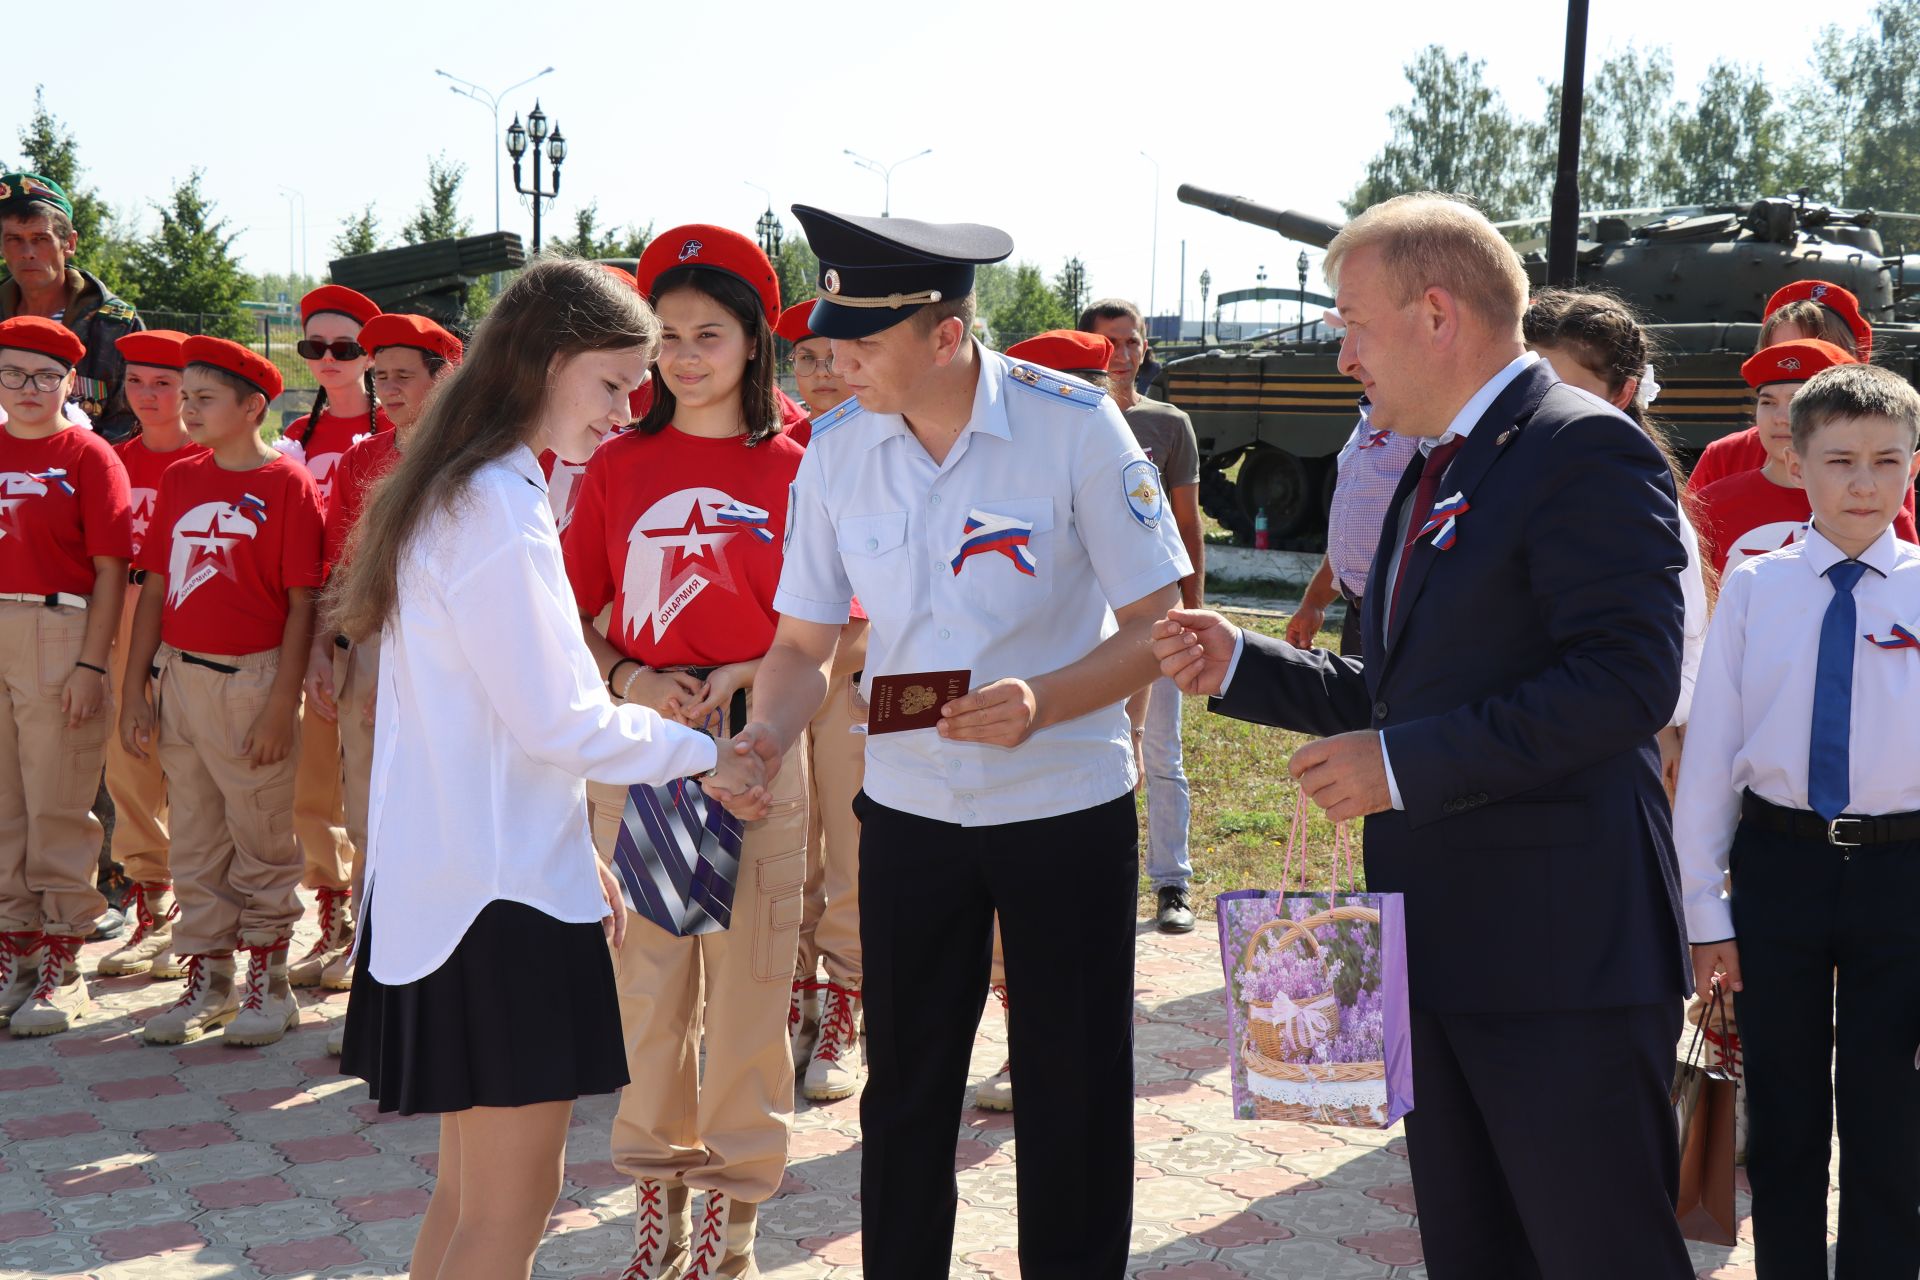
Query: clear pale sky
(1036,112)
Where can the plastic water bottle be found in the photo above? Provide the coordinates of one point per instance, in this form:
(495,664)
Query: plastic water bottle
(1260,539)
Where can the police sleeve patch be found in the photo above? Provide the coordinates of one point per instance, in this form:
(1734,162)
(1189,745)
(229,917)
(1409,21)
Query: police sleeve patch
(1146,501)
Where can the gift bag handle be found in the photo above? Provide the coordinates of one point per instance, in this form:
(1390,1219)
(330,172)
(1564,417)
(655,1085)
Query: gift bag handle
(1297,840)
(1696,1047)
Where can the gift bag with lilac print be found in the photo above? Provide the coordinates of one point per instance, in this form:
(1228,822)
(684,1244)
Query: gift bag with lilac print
(1317,997)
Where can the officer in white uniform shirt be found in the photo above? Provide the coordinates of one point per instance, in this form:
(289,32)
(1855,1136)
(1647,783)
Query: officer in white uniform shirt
(1000,519)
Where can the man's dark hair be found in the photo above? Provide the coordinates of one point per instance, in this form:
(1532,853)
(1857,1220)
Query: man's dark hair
(962,309)
(1111,309)
(36,210)
(1853,391)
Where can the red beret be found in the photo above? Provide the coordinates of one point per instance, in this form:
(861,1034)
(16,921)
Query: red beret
(42,337)
(392,329)
(235,359)
(337,297)
(700,245)
(626,276)
(1792,362)
(1834,299)
(157,347)
(794,322)
(1064,350)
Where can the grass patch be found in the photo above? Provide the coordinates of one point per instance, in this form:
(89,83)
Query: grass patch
(1243,801)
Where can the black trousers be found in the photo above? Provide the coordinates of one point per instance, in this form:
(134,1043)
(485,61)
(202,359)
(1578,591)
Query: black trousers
(1352,634)
(1065,889)
(1544,1145)
(1816,925)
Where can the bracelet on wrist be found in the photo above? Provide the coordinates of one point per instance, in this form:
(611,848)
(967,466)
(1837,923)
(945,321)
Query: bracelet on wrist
(614,670)
(89,666)
(638,671)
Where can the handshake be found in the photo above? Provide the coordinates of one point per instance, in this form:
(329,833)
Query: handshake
(744,772)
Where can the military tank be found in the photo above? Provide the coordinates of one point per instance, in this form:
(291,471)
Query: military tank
(1700,275)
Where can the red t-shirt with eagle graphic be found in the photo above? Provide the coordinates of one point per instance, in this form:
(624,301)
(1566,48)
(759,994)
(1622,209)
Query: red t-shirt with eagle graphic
(324,443)
(683,535)
(232,544)
(144,469)
(63,501)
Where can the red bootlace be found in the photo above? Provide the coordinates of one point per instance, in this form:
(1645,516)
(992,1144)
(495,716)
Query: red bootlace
(259,960)
(652,1218)
(196,982)
(709,1247)
(836,1024)
(61,948)
(328,900)
(15,947)
(999,992)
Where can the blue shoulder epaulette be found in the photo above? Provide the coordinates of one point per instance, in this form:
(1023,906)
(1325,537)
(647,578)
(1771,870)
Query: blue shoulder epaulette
(835,416)
(1054,386)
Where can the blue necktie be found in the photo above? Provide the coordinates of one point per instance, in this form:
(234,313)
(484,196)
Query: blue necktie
(1828,759)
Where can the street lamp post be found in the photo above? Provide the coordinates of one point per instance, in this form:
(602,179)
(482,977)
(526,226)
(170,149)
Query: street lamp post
(886,174)
(1260,277)
(556,152)
(1153,257)
(766,227)
(1076,276)
(491,101)
(1301,263)
(291,195)
(1206,283)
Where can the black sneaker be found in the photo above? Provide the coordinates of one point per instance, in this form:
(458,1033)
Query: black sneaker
(1176,910)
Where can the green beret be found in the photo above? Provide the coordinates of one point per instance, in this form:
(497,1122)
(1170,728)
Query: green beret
(18,190)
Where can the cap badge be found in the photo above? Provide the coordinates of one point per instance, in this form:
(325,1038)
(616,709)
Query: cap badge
(1790,364)
(1819,292)
(30,186)
(830,281)
(691,249)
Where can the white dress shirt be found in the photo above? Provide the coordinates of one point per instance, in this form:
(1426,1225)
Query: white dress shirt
(1693,628)
(1752,718)
(873,515)
(490,714)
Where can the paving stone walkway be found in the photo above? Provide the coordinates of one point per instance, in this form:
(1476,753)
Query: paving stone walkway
(127,1162)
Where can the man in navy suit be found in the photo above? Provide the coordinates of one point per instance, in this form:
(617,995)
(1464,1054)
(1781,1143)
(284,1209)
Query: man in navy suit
(1523,626)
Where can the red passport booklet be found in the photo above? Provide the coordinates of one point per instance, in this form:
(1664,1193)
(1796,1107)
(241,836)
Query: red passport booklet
(898,703)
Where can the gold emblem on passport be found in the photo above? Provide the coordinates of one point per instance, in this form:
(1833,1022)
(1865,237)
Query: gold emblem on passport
(917,698)
(912,700)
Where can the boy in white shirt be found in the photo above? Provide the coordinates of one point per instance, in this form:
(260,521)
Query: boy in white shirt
(1799,776)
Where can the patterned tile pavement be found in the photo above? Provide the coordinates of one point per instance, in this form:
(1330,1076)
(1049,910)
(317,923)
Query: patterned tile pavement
(127,1162)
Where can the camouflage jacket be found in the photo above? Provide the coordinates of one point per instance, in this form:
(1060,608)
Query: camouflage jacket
(97,317)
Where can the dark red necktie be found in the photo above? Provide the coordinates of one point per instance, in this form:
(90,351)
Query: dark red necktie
(1423,497)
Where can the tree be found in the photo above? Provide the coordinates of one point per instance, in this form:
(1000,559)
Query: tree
(1725,146)
(589,241)
(1456,135)
(438,218)
(1822,150)
(1070,286)
(1887,172)
(798,269)
(359,233)
(186,266)
(1626,132)
(1031,307)
(48,148)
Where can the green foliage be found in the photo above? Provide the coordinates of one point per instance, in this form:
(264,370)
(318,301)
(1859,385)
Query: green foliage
(1458,136)
(1030,306)
(48,148)
(589,240)
(269,287)
(1626,132)
(1730,139)
(186,265)
(798,269)
(438,217)
(359,233)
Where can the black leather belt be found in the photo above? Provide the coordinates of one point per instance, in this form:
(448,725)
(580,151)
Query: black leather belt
(1847,831)
(209,664)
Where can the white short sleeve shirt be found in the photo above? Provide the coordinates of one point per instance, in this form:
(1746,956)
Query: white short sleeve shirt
(1006,560)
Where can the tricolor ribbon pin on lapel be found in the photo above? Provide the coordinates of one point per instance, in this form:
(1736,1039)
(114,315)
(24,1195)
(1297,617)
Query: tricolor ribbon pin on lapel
(55,475)
(986,532)
(251,507)
(1376,439)
(1442,523)
(1902,638)
(742,516)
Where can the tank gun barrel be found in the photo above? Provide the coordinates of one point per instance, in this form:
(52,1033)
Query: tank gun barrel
(1304,227)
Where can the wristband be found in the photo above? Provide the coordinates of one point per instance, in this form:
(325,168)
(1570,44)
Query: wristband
(89,666)
(614,670)
(627,688)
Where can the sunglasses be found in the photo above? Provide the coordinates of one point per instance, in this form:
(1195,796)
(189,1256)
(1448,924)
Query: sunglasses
(311,349)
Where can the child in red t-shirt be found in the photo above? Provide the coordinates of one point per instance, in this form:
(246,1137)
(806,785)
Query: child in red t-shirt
(65,535)
(154,363)
(232,561)
(679,526)
(1751,513)
(332,318)
(411,355)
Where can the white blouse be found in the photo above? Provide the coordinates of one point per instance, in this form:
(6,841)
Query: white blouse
(490,714)
(1693,632)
